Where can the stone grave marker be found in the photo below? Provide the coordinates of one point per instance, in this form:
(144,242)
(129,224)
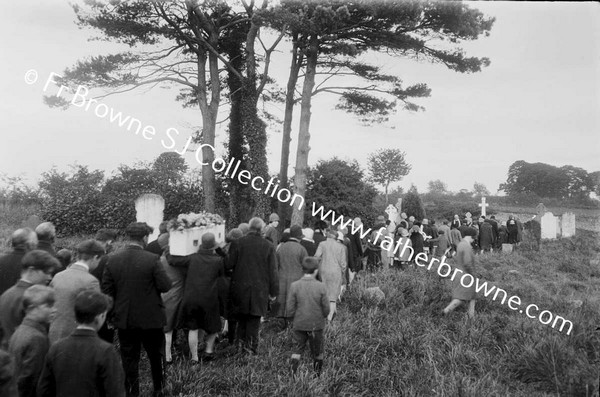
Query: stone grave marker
(568,224)
(399,208)
(549,226)
(483,204)
(31,222)
(149,208)
(392,212)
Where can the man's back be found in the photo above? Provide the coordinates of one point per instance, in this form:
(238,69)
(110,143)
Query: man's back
(10,269)
(11,308)
(135,279)
(29,345)
(254,275)
(82,365)
(66,285)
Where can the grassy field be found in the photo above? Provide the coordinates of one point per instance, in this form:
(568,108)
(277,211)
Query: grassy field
(404,347)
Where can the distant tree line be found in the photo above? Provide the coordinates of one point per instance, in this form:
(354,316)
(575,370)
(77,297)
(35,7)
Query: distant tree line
(545,180)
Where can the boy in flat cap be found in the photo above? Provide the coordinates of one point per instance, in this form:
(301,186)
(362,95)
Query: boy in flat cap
(135,278)
(308,305)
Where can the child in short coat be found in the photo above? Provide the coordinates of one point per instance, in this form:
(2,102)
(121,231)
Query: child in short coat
(29,344)
(82,364)
(308,305)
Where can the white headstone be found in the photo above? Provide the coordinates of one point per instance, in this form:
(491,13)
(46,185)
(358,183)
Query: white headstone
(549,226)
(149,208)
(483,205)
(399,204)
(392,212)
(568,224)
(399,208)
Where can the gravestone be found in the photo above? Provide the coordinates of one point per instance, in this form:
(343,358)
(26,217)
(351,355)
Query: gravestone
(540,210)
(392,212)
(31,222)
(549,226)
(149,208)
(399,208)
(483,205)
(568,224)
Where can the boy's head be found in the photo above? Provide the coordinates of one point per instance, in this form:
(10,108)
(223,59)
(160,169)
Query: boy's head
(310,264)
(37,267)
(91,307)
(90,252)
(65,257)
(38,302)
(106,237)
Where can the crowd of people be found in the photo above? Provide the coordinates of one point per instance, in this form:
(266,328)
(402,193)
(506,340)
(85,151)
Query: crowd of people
(62,312)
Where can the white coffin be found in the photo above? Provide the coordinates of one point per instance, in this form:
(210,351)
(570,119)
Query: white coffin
(187,241)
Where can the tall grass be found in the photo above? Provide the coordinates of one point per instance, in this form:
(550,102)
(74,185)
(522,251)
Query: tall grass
(404,347)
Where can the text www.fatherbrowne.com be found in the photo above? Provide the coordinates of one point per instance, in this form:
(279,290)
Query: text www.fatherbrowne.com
(445,270)
(80,99)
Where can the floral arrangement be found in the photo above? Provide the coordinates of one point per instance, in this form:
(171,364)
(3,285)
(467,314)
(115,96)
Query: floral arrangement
(191,220)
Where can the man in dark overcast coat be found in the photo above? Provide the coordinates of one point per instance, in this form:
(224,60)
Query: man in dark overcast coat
(254,282)
(134,278)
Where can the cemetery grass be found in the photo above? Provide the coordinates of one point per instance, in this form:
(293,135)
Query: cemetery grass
(404,347)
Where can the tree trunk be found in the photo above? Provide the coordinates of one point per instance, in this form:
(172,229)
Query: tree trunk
(253,127)
(304,128)
(237,203)
(255,131)
(208,174)
(297,56)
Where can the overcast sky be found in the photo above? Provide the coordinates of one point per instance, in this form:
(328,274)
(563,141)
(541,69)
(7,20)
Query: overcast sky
(538,101)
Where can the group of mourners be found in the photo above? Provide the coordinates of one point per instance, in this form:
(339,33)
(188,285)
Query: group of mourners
(62,311)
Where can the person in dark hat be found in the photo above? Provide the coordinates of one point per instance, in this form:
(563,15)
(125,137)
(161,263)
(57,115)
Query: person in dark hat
(200,305)
(289,258)
(134,278)
(254,283)
(172,298)
(106,237)
(271,233)
(154,247)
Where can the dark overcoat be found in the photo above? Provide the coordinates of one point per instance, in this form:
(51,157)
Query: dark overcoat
(254,276)
(486,236)
(10,269)
(82,365)
(418,242)
(200,304)
(134,278)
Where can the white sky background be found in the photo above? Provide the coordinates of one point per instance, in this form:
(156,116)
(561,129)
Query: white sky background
(538,101)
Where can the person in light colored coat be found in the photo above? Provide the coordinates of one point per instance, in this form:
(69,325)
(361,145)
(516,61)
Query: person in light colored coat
(68,283)
(289,258)
(332,268)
